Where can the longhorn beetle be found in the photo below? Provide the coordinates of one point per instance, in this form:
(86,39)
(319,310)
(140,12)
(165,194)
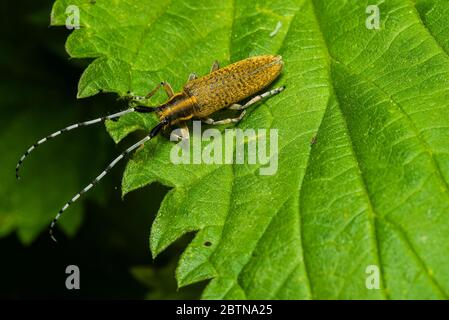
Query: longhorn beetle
(200,98)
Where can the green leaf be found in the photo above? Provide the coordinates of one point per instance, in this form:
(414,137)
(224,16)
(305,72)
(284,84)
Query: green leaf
(371,190)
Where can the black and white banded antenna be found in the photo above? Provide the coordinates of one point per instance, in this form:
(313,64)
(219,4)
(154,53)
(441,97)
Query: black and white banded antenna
(152,134)
(66,129)
(140,109)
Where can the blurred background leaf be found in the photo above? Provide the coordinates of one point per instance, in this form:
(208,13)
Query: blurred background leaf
(35,102)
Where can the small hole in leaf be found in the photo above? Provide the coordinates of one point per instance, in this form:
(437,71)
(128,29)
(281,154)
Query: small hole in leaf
(207,243)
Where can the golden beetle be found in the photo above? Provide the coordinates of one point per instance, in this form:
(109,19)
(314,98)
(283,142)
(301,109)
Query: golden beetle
(222,88)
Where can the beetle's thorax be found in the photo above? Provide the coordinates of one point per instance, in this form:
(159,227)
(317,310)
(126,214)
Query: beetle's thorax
(180,107)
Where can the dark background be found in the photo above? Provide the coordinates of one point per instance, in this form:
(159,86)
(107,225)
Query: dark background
(114,235)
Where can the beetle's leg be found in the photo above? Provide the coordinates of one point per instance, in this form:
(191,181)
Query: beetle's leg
(256,99)
(243,107)
(141,100)
(152,92)
(225,121)
(184,132)
(192,76)
(215,66)
(168,89)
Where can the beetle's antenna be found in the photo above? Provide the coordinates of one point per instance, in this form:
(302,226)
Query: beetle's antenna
(152,133)
(78,125)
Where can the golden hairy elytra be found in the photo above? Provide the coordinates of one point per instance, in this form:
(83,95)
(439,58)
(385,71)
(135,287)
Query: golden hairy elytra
(200,98)
(220,89)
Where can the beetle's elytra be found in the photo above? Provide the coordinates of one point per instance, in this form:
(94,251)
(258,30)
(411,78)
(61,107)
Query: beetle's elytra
(227,86)
(222,88)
